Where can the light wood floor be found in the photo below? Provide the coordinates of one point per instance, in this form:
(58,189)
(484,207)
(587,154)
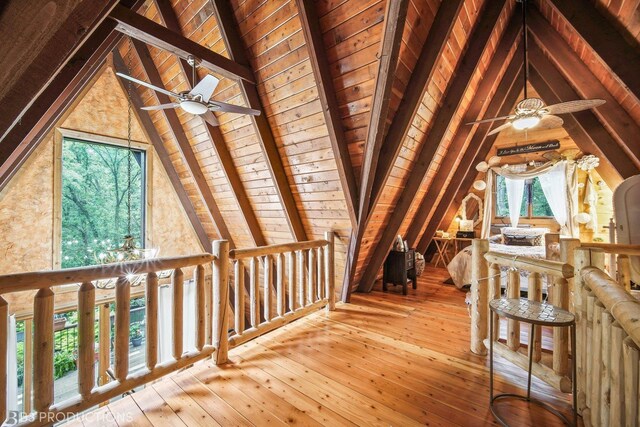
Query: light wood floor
(385,359)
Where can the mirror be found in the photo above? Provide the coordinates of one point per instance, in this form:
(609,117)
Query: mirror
(472,209)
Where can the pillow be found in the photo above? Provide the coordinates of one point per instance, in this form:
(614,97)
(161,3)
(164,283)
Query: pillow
(536,233)
(515,240)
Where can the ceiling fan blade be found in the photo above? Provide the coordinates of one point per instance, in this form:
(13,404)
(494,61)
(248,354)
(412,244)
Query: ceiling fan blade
(492,119)
(549,122)
(210,118)
(500,128)
(231,108)
(148,85)
(205,87)
(161,106)
(573,106)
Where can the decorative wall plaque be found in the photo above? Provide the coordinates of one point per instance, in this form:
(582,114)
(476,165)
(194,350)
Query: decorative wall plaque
(529,148)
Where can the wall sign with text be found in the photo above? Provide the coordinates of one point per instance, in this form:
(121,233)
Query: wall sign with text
(529,148)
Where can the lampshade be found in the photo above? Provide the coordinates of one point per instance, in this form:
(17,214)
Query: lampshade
(526,122)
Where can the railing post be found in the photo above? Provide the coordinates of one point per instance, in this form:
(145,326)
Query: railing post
(254,292)
(151,324)
(320,272)
(479,296)
(239,297)
(494,293)
(534,293)
(617,404)
(280,294)
(43,345)
(631,356)
(4,340)
(123,311)
(329,267)
(302,295)
(596,362)
(292,280)
(605,377)
(560,335)
(311,277)
(86,343)
(27,381)
(177,284)
(104,343)
(201,315)
(513,326)
(268,293)
(221,298)
(567,254)
(624,272)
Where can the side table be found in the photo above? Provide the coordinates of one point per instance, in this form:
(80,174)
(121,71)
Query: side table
(442,245)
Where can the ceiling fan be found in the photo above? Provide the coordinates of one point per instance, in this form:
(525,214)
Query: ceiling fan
(532,112)
(196,101)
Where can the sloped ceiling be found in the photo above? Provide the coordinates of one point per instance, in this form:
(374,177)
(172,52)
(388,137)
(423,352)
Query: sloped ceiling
(321,68)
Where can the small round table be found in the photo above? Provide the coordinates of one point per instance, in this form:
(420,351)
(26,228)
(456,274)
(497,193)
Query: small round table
(534,313)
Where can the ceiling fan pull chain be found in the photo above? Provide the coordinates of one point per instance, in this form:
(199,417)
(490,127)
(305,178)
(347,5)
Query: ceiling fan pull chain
(524,46)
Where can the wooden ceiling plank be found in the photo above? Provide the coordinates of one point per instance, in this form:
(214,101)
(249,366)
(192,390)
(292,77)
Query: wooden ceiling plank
(156,141)
(422,74)
(170,19)
(624,127)
(583,127)
(175,127)
(327,93)
(236,49)
(481,98)
(145,30)
(621,57)
(478,40)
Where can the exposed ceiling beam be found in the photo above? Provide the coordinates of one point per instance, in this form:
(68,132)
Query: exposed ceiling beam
(327,93)
(481,100)
(175,127)
(478,40)
(170,19)
(624,127)
(422,74)
(233,41)
(622,58)
(583,127)
(145,30)
(501,104)
(156,141)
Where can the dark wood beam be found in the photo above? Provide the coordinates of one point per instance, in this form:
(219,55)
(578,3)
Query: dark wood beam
(170,19)
(327,93)
(501,104)
(156,141)
(482,100)
(623,127)
(188,156)
(583,127)
(622,57)
(422,74)
(478,40)
(233,41)
(145,30)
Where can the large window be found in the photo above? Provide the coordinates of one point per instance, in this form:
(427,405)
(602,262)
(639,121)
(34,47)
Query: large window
(96,200)
(534,203)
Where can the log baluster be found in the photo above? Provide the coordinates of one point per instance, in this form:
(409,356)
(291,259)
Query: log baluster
(596,362)
(320,272)
(311,277)
(513,326)
(123,312)
(268,293)
(631,355)
(624,272)
(561,335)
(4,340)
(43,350)
(329,270)
(280,294)
(617,404)
(86,341)
(104,342)
(605,375)
(239,297)
(201,313)
(302,294)
(221,298)
(292,280)
(479,296)
(494,292)
(535,294)
(254,292)
(27,381)
(177,285)
(151,324)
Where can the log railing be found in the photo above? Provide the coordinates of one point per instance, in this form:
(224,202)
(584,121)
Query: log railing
(301,282)
(486,285)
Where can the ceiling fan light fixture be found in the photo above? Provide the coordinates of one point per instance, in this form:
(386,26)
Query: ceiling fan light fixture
(526,122)
(193,107)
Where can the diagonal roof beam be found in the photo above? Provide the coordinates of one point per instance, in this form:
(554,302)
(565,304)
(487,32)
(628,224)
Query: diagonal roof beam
(478,41)
(583,127)
(170,19)
(327,93)
(188,156)
(422,74)
(481,99)
(233,41)
(501,105)
(623,127)
(622,58)
(158,145)
(140,28)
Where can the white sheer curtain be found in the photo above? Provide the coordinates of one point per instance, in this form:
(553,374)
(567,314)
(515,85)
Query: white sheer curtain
(515,191)
(12,366)
(554,187)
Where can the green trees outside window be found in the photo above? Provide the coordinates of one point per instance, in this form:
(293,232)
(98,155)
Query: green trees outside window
(534,203)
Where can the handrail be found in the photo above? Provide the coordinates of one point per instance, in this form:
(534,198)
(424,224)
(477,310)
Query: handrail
(614,248)
(274,249)
(542,266)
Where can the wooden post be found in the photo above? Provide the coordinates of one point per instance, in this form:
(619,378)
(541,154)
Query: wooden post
(617,404)
(567,254)
(86,342)
(513,326)
(311,277)
(560,335)
(123,311)
(329,267)
(495,291)
(320,287)
(254,292)
(280,297)
(591,302)
(177,285)
(221,298)
(4,341)
(104,342)
(605,375)
(239,297)
(201,314)
(630,354)
(291,280)
(268,297)
(151,332)
(479,295)
(43,355)
(624,272)
(535,294)
(302,296)
(28,366)
(596,362)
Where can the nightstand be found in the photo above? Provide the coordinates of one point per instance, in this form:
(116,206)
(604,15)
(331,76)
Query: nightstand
(399,268)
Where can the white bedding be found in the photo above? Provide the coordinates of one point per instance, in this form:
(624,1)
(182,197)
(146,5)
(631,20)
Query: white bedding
(460,266)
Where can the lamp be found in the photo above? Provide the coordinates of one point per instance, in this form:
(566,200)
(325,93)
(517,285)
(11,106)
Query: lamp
(526,122)
(458,219)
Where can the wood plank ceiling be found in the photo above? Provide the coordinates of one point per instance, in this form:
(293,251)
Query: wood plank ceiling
(363,107)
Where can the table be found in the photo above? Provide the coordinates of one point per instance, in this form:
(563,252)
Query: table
(399,268)
(442,246)
(536,314)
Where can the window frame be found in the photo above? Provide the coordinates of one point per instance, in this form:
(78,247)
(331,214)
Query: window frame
(60,135)
(528,191)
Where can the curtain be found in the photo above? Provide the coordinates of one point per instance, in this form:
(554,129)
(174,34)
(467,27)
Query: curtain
(489,198)
(12,366)
(165,323)
(515,191)
(554,187)
(571,170)
(591,199)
